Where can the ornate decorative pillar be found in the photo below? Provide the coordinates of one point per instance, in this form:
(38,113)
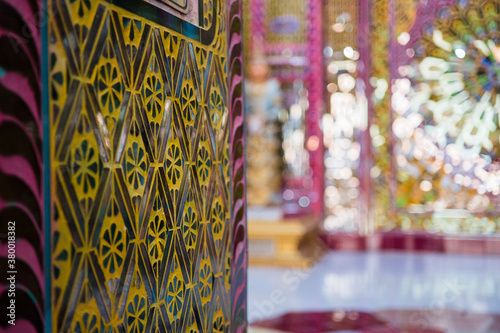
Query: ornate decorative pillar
(239,221)
(22,183)
(125,171)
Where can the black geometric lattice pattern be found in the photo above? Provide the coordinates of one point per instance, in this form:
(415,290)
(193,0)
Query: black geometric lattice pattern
(140,172)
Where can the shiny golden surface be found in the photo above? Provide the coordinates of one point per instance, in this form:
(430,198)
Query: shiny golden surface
(140,177)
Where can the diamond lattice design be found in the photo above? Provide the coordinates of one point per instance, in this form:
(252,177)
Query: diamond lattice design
(140,141)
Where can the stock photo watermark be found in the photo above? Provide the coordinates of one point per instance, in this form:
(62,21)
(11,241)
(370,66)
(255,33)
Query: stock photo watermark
(11,272)
(425,318)
(290,281)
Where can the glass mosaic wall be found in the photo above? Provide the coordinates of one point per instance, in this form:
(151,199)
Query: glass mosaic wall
(433,123)
(445,123)
(426,98)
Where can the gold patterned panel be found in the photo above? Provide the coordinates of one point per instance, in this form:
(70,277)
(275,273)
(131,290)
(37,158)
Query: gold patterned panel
(406,15)
(139,130)
(340,24)
(343,123)
(286,21)
(380,173)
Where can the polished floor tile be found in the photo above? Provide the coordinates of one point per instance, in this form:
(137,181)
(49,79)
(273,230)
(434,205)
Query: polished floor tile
(374,282)
(387,321)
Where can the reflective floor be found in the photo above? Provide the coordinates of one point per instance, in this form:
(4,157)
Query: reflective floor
(382,286)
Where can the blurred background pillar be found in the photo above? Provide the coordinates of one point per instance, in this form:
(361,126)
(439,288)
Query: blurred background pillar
(315,87)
